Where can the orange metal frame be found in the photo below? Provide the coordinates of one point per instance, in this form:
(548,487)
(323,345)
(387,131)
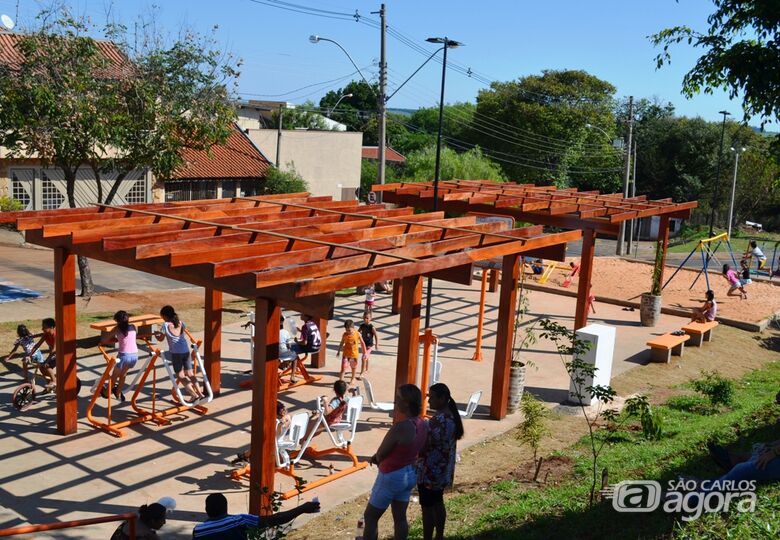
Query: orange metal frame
(300,369)
(144,415)
(130,517)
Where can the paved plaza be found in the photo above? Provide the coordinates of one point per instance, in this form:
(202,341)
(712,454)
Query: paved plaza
(45,477)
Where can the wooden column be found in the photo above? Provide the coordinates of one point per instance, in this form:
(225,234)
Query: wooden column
(507,311)
(265,384)
(65,345)
(493,280)
(396,305)
(663,237)
(408,334)
(481,320)
(318,359)
(212,339)
(586,273)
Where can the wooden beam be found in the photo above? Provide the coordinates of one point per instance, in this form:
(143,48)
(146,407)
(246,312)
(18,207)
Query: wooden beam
(318,359)
(408,335)
(212,339)
(663,237)
(507,311)
(586,275)
(549,253)
(265,384)
(493,283)
(395,305)
(65,341)
(462,275)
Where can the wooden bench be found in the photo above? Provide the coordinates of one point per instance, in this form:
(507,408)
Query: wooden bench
(700,331)
(142,322)
(663,347)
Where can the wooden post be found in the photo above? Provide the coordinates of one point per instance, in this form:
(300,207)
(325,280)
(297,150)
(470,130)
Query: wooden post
(65,343)
(212,339)
(663,237)
(481,320)
(507,311)
(318,359)
(265,384)
(586,273)
(493,280)
(428,340)
(408,334)
(396,305)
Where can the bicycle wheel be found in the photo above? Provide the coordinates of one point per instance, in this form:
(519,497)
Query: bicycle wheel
(23,396)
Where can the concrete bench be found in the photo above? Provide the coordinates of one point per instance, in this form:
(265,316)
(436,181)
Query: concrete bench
(663,347)
(143,324)
(700,331)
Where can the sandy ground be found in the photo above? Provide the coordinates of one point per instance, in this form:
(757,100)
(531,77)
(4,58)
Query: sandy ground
(627,280)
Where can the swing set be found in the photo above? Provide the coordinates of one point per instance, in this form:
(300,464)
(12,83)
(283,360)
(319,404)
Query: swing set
(146,413)
(708,254)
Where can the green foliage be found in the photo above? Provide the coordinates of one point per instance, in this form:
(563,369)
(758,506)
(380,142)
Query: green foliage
(533,428)
(650,420)
(739,55)
(301,117)
(549,142)
(278,181)
(7,204)
(471,165)
(369,173)
(719,390)
(356,112)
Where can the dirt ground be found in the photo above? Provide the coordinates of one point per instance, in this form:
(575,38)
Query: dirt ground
(504,457)
(627,280)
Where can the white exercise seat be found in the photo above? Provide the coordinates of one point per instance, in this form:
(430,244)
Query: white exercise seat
(471,406)
(384,406)
(338,430)
(289,440)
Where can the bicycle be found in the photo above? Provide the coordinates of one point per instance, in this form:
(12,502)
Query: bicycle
(25,394)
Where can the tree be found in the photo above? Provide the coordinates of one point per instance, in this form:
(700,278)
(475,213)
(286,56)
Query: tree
(302,116)
(536,126)
(278,181)
(357,111)
(741,54)
(75,102)
(470,165)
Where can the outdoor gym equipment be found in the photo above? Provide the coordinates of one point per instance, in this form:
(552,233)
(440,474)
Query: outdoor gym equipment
(342,435)
(24,395)
(152,414)
(197,364)
(707,254)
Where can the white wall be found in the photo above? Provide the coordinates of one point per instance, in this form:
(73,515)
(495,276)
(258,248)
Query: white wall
(328,160)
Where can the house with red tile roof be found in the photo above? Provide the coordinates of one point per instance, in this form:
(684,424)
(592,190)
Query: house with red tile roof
(391,156)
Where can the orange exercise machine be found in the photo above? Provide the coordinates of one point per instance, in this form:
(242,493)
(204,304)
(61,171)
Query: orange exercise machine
(288,455)
(144,414)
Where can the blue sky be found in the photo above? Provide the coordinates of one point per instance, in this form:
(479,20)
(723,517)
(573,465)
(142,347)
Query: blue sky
(504,40)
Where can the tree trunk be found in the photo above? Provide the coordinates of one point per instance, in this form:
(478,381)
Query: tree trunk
(115,187)
(96,170)
(87,287)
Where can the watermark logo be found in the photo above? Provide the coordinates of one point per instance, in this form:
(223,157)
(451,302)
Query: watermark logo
(687,497)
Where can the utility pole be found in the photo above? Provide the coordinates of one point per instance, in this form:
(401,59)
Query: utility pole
(381,100)
(632,193)
(626,174)
(716,188)
(737,152)
(279,134)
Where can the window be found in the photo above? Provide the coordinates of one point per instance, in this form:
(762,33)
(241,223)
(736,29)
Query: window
(137,193)
(188,190)
(228,189)
(19,192)
(50,195)
(249,188)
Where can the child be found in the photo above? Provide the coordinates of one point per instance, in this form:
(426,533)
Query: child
(370,340)
(756,252)
(537,267)
(26,341)
(332,409)
(370,298)
(282,426)
(287,357)
(708,311)
(734,282)
(125,335)
(310,340)
(179,349)
(350,345)
(745,273)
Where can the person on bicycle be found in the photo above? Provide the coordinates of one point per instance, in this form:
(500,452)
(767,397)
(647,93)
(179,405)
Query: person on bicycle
(26,341)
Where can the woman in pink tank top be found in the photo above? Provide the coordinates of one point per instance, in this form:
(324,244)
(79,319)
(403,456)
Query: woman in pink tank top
(396,457)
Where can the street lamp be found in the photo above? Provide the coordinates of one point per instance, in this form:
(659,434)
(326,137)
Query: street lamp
(337,104)
(737,153)
(716,194)
(317,39)
(446,44)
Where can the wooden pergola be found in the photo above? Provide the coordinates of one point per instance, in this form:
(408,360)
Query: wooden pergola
(591,212)
(292,251)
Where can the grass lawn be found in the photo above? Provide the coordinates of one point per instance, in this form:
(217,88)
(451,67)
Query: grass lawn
(765,241)
(517,508)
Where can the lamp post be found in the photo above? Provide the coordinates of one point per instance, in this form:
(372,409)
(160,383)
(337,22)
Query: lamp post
(716,195)
(337,104)
(446,44)
(737,153)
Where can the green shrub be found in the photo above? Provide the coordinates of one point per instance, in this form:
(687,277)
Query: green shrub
(719,390)
(7,204)
(278,181)
(533,427)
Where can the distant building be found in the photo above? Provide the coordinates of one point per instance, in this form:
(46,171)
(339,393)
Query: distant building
(259,114)
(391,156)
